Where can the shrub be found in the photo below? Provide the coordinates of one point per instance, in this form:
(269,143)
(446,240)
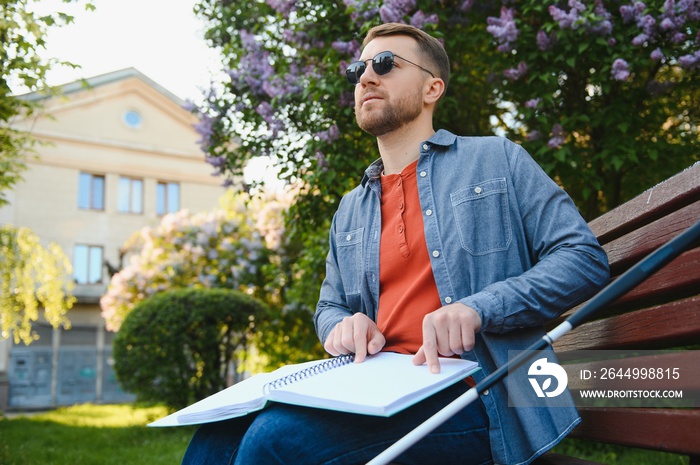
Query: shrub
(175,346)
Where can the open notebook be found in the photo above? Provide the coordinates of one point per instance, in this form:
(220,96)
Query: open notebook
(382,385)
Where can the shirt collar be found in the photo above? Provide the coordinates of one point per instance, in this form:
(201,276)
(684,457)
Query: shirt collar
(442,138)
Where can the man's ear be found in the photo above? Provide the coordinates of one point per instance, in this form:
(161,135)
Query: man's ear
(435,87)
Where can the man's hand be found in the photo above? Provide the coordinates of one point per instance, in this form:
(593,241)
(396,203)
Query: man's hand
(447,331)
(356,334)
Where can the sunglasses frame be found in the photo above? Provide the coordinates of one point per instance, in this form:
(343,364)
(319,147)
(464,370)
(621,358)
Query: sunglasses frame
(353,73)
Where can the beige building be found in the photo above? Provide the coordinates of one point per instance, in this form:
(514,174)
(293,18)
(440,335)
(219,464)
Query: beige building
(119,155)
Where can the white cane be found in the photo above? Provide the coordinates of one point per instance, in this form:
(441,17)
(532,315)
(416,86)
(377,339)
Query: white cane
(630,279)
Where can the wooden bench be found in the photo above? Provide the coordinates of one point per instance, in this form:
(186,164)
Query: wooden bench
(661,313)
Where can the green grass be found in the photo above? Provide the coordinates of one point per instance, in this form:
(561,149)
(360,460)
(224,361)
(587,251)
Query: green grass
(116,434)
(617,455)
(91,435)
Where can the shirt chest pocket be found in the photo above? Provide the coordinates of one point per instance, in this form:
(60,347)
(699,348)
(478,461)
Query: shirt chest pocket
(349,252)
(481,215)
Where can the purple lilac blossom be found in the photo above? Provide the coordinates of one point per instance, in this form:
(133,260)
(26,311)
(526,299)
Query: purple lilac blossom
(667,24)
(603,26)
(351,48)
(558,137)
(632,12)
(394,11)
(620,70)
(690,61)
(205,128)
(570,19)
(656,55)
(347,99)
(533,103)
(641,39)
(283,7)
(217,162)
(647,23)
(321,160)
(390,15)
(504,29)
(300,39)
(678,38)
(516,73)
(544,42)
(466,5)
(329,135)
(420,20)
(362,10)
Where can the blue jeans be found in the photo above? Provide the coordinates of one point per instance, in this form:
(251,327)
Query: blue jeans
(286,434)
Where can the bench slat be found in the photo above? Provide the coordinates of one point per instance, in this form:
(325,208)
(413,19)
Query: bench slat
(677,279)
(670,195)
(672,430)
(624,251)
(684,364)
(662,326)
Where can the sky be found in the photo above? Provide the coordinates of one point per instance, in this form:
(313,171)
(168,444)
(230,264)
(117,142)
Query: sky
(160,38)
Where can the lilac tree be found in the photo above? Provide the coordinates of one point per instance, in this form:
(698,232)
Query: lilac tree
(222,248)
(602,93)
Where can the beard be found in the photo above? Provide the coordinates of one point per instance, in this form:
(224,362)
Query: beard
(393,117)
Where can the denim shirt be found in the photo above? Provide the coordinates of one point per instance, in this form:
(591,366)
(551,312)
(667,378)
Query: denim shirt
(503,239)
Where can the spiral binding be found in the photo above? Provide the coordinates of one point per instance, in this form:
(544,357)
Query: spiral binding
(309,372)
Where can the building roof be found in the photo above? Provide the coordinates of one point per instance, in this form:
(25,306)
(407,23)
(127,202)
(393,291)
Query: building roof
(103,79)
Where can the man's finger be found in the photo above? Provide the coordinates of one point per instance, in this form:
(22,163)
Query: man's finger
(419,358)
(359,337)
(430,350)
(376,343)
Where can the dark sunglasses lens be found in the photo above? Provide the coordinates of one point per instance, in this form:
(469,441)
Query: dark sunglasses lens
(354,71)
(383,63)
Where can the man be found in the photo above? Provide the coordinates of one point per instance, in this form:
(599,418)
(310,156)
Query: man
(450,246)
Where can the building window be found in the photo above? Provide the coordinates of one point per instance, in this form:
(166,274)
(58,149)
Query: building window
(133,119)
(91,192)
(87,264)
(167,197)
(130,195)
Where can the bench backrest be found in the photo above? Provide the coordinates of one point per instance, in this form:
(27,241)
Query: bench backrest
(661,313)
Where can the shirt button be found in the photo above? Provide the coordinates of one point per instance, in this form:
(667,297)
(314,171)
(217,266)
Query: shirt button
(348,238)
(426,146)
(486,392)
(448,300)
(436,253)
(477,190)
(428,212)
(423,174)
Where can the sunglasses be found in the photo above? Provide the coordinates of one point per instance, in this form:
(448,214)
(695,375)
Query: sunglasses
(382,63)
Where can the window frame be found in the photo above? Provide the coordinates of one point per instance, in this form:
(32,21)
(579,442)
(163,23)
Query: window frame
(164,197)
(89,264)
(91,202)
(130,195)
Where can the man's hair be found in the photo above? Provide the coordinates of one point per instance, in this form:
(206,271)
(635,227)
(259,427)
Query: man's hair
(428,46)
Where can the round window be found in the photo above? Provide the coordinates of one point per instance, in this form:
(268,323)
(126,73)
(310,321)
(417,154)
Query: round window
(132,119)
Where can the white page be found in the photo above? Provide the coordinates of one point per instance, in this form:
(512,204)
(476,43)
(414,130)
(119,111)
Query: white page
(381,385)
(243,397)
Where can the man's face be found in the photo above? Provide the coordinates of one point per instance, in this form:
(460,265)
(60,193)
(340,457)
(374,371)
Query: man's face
(386,103)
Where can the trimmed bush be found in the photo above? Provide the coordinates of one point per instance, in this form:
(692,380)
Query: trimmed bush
(175,346)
